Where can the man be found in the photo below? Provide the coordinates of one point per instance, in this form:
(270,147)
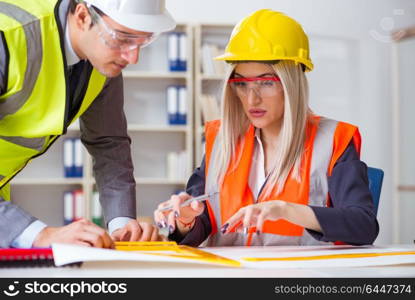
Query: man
(61,60)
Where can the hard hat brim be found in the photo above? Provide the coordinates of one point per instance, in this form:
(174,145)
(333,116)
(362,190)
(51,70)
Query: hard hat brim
(147,23)
(228,57)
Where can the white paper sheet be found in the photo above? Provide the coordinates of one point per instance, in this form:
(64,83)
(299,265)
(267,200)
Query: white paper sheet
(65,254)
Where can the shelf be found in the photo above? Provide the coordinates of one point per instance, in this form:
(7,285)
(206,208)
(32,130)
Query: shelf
(212,81)
(73,128)
(46,181)
(156,181)
(216,25)
(154,75)
(71,181)
(158,128)
(145,107)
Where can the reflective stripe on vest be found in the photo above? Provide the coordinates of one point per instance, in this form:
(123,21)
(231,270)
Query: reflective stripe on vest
(33,109)
(33,143)
(32,31)
(323,145)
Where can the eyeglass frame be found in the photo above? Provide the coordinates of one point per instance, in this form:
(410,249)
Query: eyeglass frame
(113,34)
(252,79)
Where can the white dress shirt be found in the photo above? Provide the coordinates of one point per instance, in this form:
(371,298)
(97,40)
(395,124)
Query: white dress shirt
(257,176)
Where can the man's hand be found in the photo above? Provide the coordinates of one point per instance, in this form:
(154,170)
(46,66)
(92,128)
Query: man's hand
(136,231)
(82,232)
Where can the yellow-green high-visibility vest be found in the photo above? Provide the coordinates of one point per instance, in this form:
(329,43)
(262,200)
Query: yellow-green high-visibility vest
(34,108)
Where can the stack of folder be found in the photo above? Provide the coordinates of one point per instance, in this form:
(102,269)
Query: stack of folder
(34,257)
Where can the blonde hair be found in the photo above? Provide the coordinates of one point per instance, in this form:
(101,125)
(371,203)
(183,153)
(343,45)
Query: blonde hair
(291,139)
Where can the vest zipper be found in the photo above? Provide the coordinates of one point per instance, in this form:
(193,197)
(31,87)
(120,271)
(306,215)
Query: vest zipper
(65,64)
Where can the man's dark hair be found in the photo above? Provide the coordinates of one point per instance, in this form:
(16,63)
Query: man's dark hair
(74,3)
(72,8)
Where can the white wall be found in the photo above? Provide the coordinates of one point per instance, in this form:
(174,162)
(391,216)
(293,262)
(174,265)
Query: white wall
(360,29)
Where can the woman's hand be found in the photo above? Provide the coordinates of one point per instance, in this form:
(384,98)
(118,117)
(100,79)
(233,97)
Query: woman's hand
(185,216)
(255,215)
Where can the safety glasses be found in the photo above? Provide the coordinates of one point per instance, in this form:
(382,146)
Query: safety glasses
(118,40)
(263,86)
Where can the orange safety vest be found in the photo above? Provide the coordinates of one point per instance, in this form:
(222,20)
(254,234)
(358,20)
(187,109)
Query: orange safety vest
(326,138)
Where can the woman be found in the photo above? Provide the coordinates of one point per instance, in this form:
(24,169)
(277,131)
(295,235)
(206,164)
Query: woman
(276,173)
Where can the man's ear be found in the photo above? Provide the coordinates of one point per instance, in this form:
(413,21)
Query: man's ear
(82,18)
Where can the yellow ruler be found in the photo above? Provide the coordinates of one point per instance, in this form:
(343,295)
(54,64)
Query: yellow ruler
(146,246)
(329,256)
(171,249)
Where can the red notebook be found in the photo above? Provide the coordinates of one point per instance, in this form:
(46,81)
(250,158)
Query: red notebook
(32,257)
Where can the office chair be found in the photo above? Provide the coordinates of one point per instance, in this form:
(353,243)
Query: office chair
(375,177)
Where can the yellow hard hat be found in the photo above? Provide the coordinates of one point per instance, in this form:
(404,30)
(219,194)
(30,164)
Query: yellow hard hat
(268,35)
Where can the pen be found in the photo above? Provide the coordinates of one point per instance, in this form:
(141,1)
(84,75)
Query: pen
(200,198)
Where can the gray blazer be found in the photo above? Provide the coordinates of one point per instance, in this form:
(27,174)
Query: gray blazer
(104,134)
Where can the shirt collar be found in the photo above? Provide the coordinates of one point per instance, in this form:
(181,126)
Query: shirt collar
(258,141)
(258,134)
(71,57)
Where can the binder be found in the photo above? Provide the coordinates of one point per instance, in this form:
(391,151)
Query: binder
(208,67)
(182,108)
(73,157)
(210,108)
(68,208)
(96,210)
(172,162)
(173,51)
(78,158)
(68,157)
(182,167)
(182,52)
(32,257)
(172,105)
(79,207)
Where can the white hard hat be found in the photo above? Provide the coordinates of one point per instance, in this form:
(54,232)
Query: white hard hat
(140,15)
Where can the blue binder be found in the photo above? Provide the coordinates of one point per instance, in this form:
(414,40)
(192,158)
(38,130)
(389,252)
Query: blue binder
(68,157)
(182,105)
(172,105)
(173,51)
(182,52)
(68,207)
(78,158)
